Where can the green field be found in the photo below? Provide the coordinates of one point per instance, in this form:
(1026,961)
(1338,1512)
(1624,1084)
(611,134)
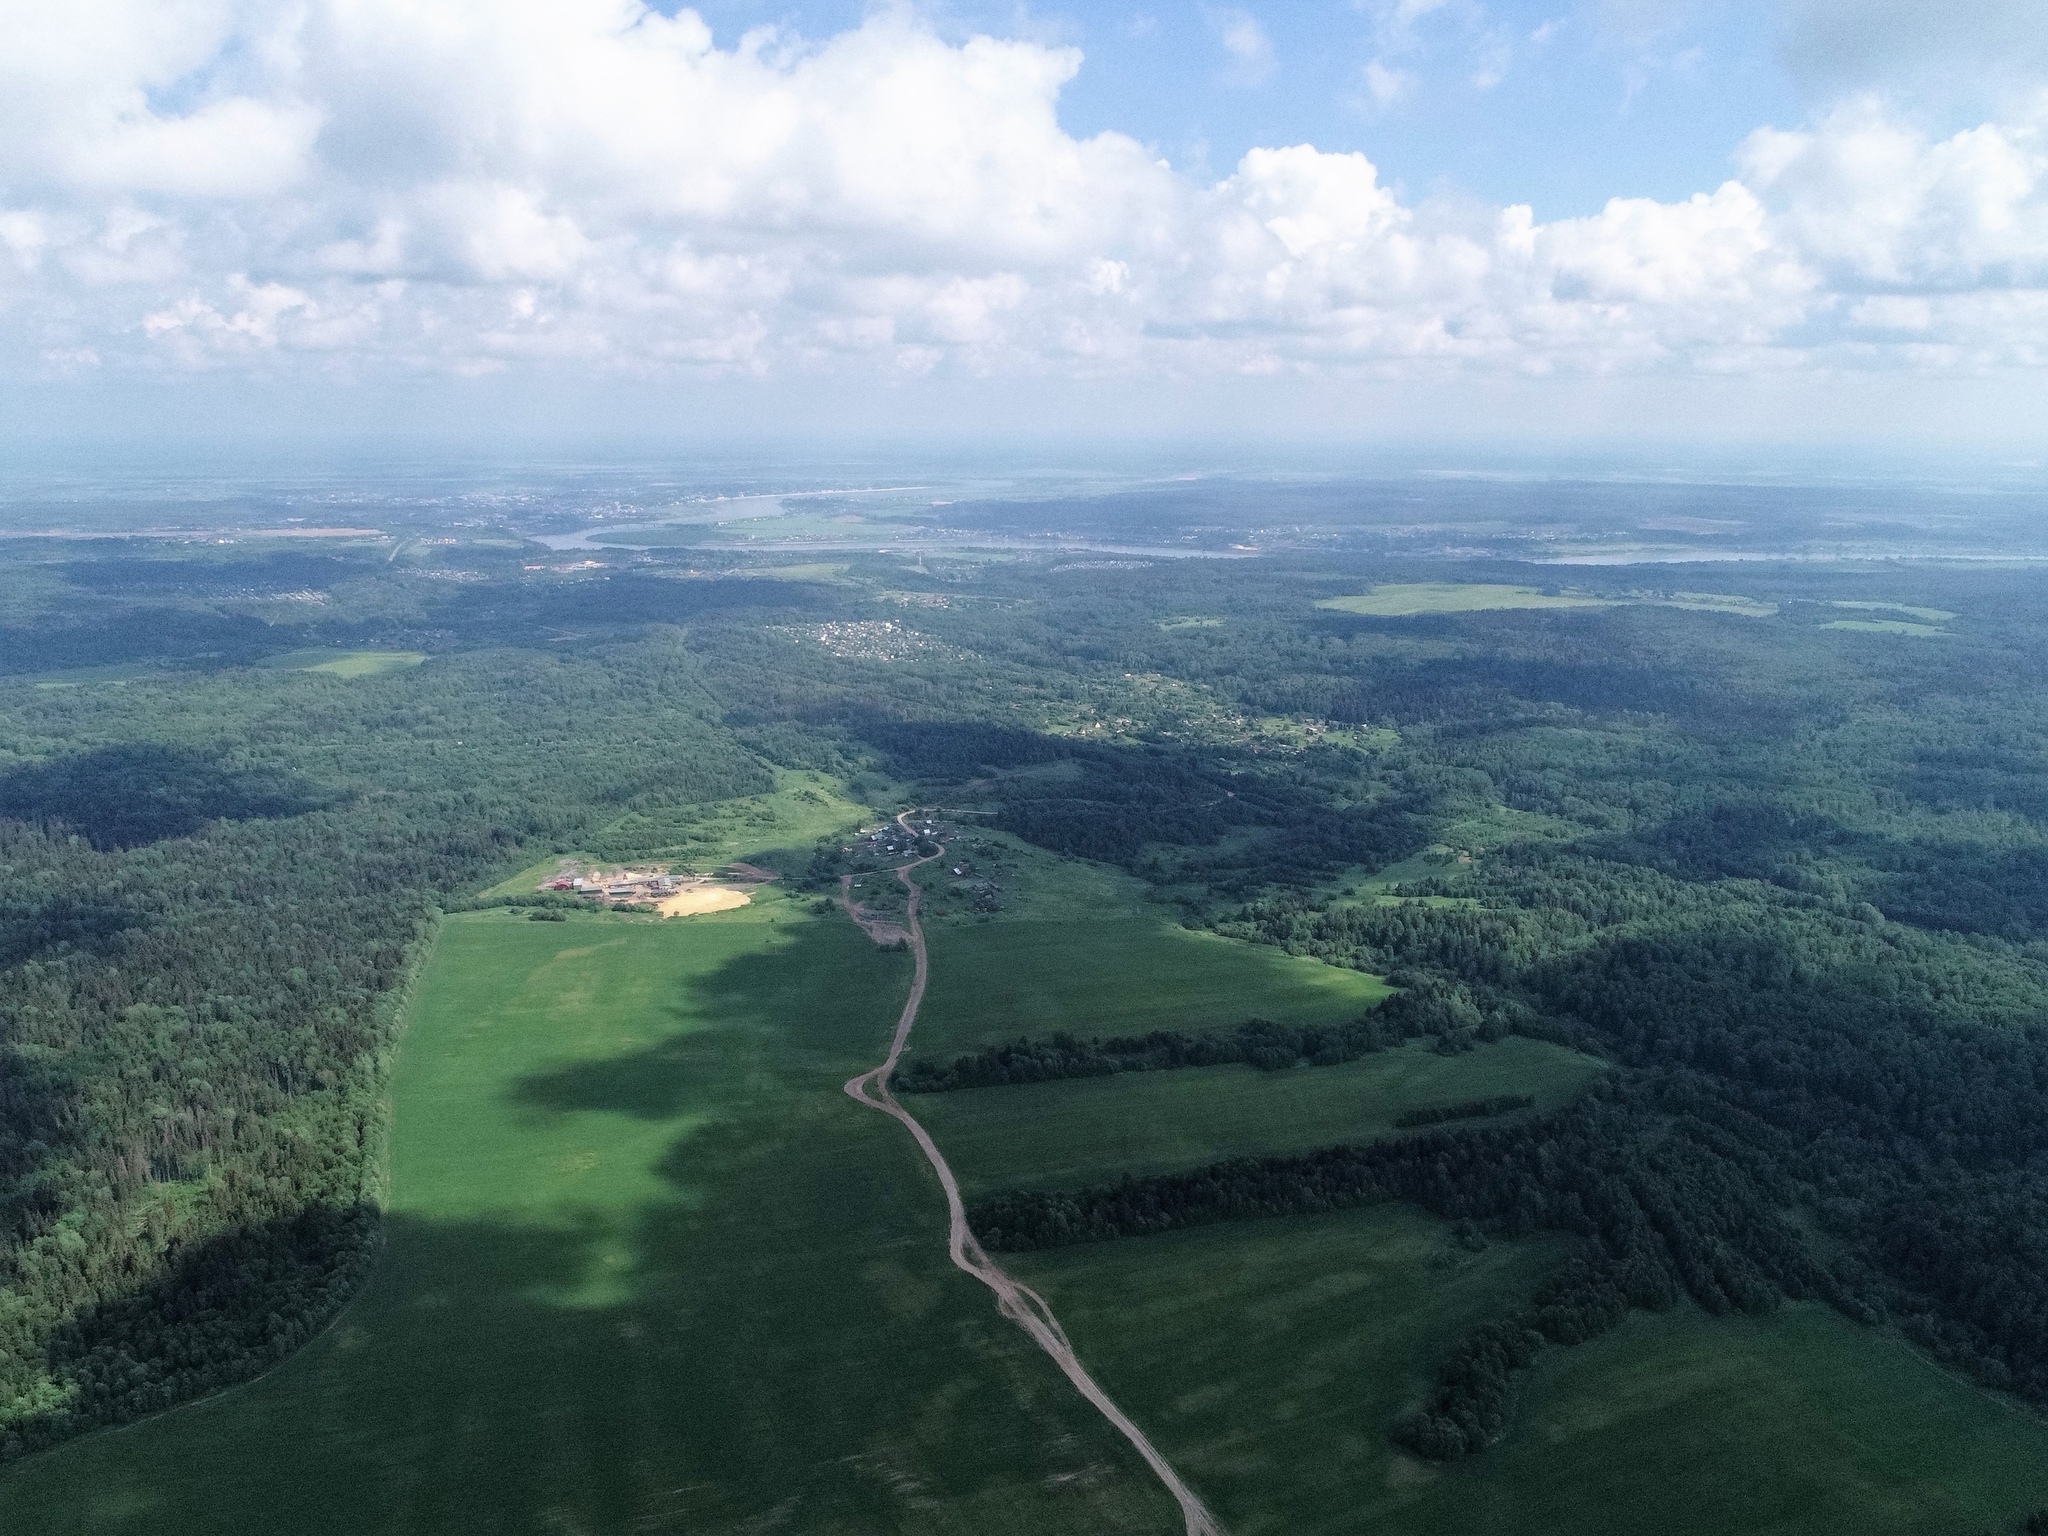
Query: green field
(779,827)
(1119,974)
(817,570)
(1716,602)
(335,663)
(1091,1129)
(1885,627)
(1801,1424)
(803,807)
(649,1270)
(1266,1359)
(346,663)
(1407,599)
(1925,615)
(81,677)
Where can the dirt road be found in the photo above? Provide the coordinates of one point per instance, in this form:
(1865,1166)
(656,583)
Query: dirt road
(1015,1300)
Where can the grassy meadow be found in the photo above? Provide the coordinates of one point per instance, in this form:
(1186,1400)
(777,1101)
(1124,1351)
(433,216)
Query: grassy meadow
(1787,1425)
(1078,947)
(781,825)
(1885,627)
(1086,1130)
(1717,602)
(1911,611)
(1116,974)
(1404,600)
(1407,600)
(1267,1359)
(648,1270)
(346,663)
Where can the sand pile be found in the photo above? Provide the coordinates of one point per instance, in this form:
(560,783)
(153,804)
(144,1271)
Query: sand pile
(702,898)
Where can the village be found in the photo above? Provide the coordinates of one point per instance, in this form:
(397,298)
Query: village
(921,835)
(892,840)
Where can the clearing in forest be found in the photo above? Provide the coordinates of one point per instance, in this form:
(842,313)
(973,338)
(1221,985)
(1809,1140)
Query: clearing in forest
(346,663)
(777,828)
(1094,1129)
(1412,599)
(1118,973)
(1910,610)
(1406,600)
(1887,627)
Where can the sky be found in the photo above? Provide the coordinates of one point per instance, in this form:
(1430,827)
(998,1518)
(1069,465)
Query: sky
(1668,223)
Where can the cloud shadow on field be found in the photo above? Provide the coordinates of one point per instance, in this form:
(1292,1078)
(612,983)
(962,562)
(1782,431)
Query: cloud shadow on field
(659,1082)
(724,1370)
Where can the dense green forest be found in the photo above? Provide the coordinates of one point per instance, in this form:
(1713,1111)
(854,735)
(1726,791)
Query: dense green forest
(207,925)
(1790,880)
(1258,1043)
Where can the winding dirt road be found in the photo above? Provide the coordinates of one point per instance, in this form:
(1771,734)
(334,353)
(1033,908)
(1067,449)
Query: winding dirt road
(1015,1300)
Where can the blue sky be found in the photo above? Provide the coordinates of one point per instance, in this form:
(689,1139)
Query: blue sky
(1558,105)
(1688,218)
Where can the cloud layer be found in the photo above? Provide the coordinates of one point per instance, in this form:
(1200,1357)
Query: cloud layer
(466,185)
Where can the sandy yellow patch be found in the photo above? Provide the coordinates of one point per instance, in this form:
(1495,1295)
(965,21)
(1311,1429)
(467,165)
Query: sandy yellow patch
(702,898)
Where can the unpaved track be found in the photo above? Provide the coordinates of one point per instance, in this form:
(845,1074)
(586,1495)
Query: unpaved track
(1014,1299)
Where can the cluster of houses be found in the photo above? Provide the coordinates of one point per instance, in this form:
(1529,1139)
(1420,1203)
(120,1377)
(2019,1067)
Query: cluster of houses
(890,841)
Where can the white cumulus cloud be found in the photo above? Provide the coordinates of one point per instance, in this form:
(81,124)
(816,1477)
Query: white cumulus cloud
(469,185)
